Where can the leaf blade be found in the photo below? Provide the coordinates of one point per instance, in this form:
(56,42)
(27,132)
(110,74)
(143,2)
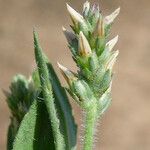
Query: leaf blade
(34,124)
(48,95)
(65,113)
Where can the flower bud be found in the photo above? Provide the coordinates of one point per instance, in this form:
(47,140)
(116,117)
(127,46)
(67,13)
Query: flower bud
(96,10)
(69,35)
(112,60)
(110,45)
(68,75)
(84,47)
(100,30)
(109,19)
(76,17)
(86,8)
(84,93)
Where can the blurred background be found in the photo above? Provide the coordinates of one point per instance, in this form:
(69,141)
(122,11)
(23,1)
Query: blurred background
(126,125)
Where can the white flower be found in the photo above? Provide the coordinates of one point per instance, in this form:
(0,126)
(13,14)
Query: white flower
(112,60)
(86,8)
(68,75)
(110,45)
(100,30)
(84,47)
(109,19)
(76,17)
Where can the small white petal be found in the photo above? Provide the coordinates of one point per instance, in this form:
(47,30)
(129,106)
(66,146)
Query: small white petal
(109,19)
(75,15)
(64,29)
(68,75)
(110,45)
(86,7)
(112,60)
(100,28)
(84,47)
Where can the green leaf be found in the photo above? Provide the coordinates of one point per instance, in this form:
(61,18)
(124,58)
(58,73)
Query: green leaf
(64,110)
(48,95)
(35,130)
(67,123)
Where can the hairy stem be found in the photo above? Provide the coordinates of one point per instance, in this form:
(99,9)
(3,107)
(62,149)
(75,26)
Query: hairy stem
(90,122)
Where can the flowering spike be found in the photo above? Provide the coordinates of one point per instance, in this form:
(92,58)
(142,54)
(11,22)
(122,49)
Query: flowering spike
(95,61)
(109,19)
(76,17)
(69,35)
(112,43)
(84,47)
(68,75)
(112,60)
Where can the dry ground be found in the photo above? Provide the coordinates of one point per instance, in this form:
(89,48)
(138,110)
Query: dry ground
(126,126)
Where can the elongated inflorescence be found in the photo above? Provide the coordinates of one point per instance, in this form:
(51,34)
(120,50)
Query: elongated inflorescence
(90,87)
(93,54)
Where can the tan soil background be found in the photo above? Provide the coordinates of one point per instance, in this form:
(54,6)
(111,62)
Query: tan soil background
(126,126)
